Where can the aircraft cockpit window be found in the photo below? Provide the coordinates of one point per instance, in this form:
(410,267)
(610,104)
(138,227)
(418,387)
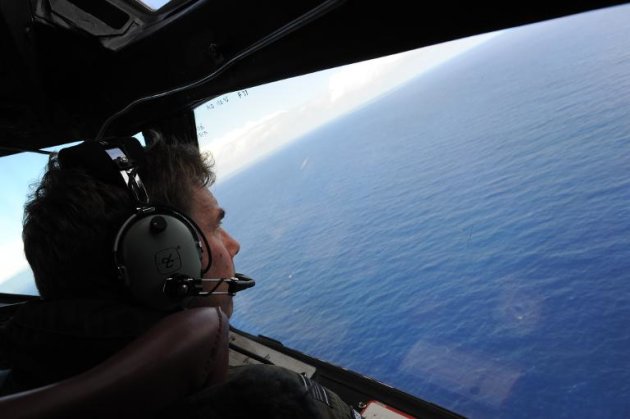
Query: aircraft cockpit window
(453,221)
(154,5)
(19,171)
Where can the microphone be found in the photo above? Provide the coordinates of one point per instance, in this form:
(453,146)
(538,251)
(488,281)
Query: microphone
(180,286)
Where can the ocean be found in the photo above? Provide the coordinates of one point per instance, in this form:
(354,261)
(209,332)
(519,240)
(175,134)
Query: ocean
(465,237)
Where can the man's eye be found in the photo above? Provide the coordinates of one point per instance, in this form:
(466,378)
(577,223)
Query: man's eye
(220,219)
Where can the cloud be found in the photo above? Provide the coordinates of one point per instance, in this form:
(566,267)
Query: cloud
(359,76)
(244,146)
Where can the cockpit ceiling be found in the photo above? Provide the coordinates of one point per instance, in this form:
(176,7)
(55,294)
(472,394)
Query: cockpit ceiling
(63,72)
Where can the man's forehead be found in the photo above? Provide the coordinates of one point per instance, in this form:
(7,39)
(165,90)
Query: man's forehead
(206,200)
(212,200)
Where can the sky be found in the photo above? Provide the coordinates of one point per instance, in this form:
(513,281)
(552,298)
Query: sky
(154,4)
(242,127)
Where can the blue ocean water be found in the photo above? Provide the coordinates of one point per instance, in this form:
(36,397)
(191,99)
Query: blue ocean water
(466,237)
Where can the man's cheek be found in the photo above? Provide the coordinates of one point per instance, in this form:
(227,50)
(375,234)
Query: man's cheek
(221,261)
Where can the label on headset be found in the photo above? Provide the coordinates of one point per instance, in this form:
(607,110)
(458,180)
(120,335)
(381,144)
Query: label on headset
(168,261)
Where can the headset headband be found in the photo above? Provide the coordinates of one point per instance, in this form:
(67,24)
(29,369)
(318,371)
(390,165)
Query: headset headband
(116,161)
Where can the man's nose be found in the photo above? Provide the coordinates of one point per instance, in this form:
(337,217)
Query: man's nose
(231,244)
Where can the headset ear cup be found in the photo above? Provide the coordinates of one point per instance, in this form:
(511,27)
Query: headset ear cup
(152,246)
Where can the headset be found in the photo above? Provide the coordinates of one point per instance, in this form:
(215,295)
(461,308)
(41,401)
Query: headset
(157,250)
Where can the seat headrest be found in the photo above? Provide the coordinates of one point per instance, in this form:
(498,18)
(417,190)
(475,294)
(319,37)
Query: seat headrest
(181,354)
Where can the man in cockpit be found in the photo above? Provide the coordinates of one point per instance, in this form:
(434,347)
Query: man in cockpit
(86,315)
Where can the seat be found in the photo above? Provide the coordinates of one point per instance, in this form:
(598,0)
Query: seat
(182,353)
